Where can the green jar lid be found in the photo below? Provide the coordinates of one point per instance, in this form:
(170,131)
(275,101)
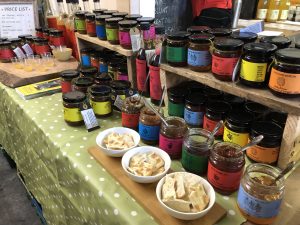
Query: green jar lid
(74,97)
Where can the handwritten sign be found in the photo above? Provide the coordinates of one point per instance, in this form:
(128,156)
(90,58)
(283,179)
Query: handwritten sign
(16,19)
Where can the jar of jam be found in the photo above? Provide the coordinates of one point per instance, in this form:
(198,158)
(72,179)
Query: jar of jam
(124,32)
(72,102)
(66,80)
(177,101)
(149,20)
(149,125)
(199,57)
(109,12)
(103,79)
(278,118)
(112,30)
(6,52)
(100,100)
(195,150)
(177,44)
(225,56)
(194,109)
(133,17)
(198,29)
(56,38)
(131,112)
(235,102)
(113,68)
(246,37)
(100,26)
(257,110)
(82,84)
(99,11)
(122,72)
(80,25)
(258,198)
(237,127)
(255,60)
(120,14)
(285,74)
(39,32)
(280,41)
(90,24)
(267,151)
(41,46)
(215,111)
(46,33)
(86,56)
(88,71)
(225,167)
(103,64)
(121,88)
(220,33)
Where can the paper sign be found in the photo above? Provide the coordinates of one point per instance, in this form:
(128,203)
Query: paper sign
(254,28)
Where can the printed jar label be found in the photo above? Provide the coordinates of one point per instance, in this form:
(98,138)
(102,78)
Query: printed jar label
(288,83)
(112,34)
(170,145)
(176,54)
(193,118)
(199,58)
(227,181)
(91,27)
(124,38)
(240,139)
(155,85)
(261,14)
(284,14)
(255,207)
(273,14)
(149,133)
(101,108)
(141,73)
(85,60)
(194,163)
(209,125)
(28,50)
(263,154)
(66,86)
(130,120)
(72,114)
(175,109)
(80,25)
(253,71)
(6,54)
(100,31)
(223,66)
(103,68)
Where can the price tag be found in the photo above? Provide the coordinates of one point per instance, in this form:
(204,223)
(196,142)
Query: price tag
(89,117)
(149,54)
(236,71)
(19,53)
(119,102)
(135,37)
(27,49)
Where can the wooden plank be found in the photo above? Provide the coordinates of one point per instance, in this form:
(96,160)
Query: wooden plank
(131,70)
(145,194)
(262,96)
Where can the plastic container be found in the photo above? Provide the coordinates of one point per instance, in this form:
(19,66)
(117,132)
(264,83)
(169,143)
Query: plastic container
(100,100)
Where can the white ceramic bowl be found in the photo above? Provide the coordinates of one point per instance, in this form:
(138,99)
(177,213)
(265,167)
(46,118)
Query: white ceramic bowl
(144,149)
(182,215)
(119,130)
(62,55)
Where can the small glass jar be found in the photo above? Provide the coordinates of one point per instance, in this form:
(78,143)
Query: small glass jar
(177,101)
(285,74)
(80,25)
(100,100)
(122,72)
(199,56)
(255,61)
(82,84)
(99,11)
(133,17)
(280,41)
(124,32)
(237,127)
(46,33)
(220,33)
(90,24)
(88,71)
(258,200)
(195,150)
(100,26)
(41,46)
(39,32)
(131,112)
(6,52)
(109,12)
(102,79)
(113,68)
(23,38)
(194,110)
(149,20)
(177,44)
(56,38)
(86,56)
(225,167)
(225,56)
(267,151)
(103,64)
(66,80)
(198,29)
(246,37)
(71,102)
(149,126)
(257,110)
(112,30)
(120,14)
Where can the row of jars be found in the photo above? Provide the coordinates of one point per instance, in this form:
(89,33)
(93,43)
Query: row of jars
(268,63)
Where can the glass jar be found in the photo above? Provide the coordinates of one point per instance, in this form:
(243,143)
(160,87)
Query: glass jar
(198,29)
(80,25)
(225,56)
(124,32)
(86,56)
(220,33)
(267,151)
(100,100)
(199,56)
(133,17)
(246,37)
(23,38)
(285,74)
(280,41)
(72,102)
(15,43)
(6,52)
(177,44)
(82,84)
(195,150)
(112,30)
(149,125)
(99,11)
(122,72)
(212,94)
(237,127)
(131,112)
(235,102)
(257,110)
(149,20)
(121,88)
(109,12)
(177,101)
(103,79)
(225,167)
(100,26)
(88,71)
(194,109)
(90,24)
(46,33)
(255,60)
(39,32)
(41,46)
(103,64)
(66,80)
(113,68)
(30,41)
(56,38)
(120,14)
(258,200)
(95,59)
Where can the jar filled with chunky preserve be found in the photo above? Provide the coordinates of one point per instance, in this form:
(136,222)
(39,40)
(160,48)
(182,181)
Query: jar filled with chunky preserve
(194,109)
(225,167)
(199,56)
(177,44)
(255,61)
(131,112)
(90,24)
(80,25)
(72,102)
(246,37)
(100,26)
(225,56)
(66,80)
(259,197)
(171,136)
(6,52)
(124,32)
(82,84)
(100,100)
(285,74)
(102,78)
(112,30)
(41,46)
(198,29)
(280,41)
(177,101)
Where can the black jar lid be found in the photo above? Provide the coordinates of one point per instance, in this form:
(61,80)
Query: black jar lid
(220,32)
(120,14)
(288,55)
(56,32)
(272,132)
(113,20)
(83,81)
(145,19)
(30,38)
(277,117)
(240,118)
(109,12)
(80,13)
(178,35)
(99,90)
(262,49)
(39,29)
(103,77)
(102,17)
(255,108)
(196,99)
(133,16)
(5,43)
(279,41)
(145,26)
(69,74)
(233,100)
(218,107)
(193,86)
(45,30)
(128,23)
(178,92)
(86,50)
(228,44)
(40,40)
(211,93)
(23,36)
(14,40)
(88,70)
(74,97)
(246,37)
(120,84)
(3,39)
(198,29)
(201,38)
(90,16)
(99,11)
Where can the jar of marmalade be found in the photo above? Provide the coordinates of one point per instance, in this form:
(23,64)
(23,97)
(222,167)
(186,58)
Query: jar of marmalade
(66,80)
(194,109)
(131,112)
(6,52)
(82,84)
(100,100)
(112,30)
(71,102)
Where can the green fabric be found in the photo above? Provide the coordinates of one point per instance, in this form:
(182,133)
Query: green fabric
(70,185)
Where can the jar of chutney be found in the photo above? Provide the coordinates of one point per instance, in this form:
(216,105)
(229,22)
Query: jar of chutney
(112,30)
(66,80)
(100,26)
(100,100)
(41,46)
(56,38)
(90,24)
(72,102)
(280,41)
(246,37)
(124,32)
(82,84)
(177,101)
(80,25)
(131,112)
(102,79)
(194,109)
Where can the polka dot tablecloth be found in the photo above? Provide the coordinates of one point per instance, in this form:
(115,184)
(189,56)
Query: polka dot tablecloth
(70,185)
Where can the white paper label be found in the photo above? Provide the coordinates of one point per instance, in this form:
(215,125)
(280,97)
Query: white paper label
(90,120)
(273,14)
(284,14)
(119,102)
(19,53)
(27,49)
(261,14)
(149,54)
(135,39)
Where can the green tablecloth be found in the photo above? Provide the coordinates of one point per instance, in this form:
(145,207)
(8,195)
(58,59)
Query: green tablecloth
(70,185)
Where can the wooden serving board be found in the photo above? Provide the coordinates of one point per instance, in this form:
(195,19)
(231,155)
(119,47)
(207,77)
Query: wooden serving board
(13,77)
(145,194)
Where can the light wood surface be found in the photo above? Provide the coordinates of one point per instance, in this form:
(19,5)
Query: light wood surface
(145,194)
